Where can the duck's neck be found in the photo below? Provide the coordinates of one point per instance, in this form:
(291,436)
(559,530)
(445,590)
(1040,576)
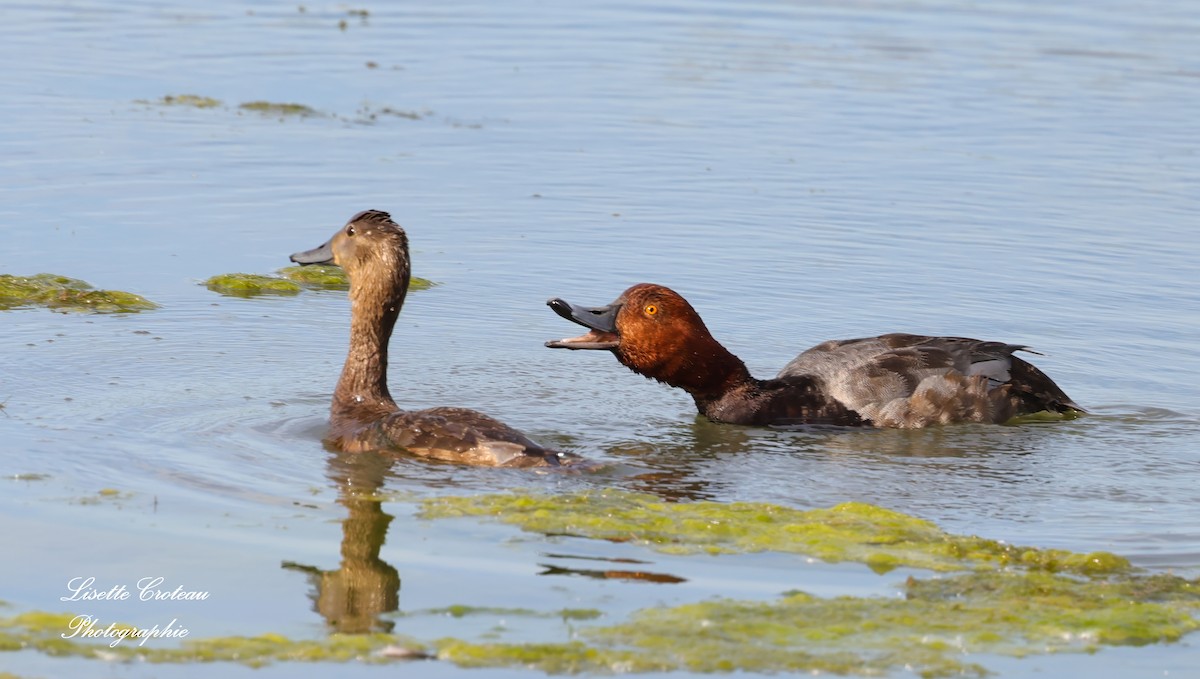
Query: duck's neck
(363,385)
(701,366)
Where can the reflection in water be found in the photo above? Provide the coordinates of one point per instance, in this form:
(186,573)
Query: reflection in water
(676,465)
(608,574)
(352,597)
(597,574)
(687,465)
(701,460)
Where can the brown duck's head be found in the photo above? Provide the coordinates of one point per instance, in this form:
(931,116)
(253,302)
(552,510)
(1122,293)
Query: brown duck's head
(370,245)
(650,328)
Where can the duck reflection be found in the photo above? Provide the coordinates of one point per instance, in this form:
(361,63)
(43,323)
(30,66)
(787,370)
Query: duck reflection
(703,461)
(364,587)
(676,466)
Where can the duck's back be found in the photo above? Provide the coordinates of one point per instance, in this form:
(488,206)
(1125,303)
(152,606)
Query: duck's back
(901,380)
(447,433)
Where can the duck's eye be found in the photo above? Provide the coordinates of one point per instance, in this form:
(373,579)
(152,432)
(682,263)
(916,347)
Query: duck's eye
(350,230)
(651,309)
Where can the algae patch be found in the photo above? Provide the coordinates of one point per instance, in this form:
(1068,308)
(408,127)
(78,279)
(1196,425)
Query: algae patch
(318,276)
(1004,599)
(420,284)
(367,113)
(30,476)
(103,495)
(462,611)
(192,100)
(251,285)
(268,108)
(880,538)
(43,632)
(278,109)
(931,630)
(332,277)
(290,281)
(1045,416)
(65,294)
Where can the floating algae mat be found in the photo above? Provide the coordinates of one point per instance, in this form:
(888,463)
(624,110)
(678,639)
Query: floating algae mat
(264,107)
(880,538)
(66,294)
(251,285)
(317,276)
(1001,600)
(57,634)
(991,600)
(932,630)
(330,277)
(278,109)
(290,281)
(193,100)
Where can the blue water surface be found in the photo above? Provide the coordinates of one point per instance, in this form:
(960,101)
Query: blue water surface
(1019,171)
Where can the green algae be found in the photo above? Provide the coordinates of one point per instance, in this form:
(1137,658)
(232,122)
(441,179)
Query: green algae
(43,632)
(320,276)
(193,100)
(30,476)
(930,631)
(1060,610)
(251,285)
(290,281)
(1045,416)
(415,283)
(1028,602)
(265,107)
(103,495)
(880,538)
(66,294)
(462,611)
(332,277)
(1005,599)
(278,109)
(266,648)
(574,657)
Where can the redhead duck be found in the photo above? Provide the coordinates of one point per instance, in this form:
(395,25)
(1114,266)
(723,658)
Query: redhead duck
(374,252)
(896,380)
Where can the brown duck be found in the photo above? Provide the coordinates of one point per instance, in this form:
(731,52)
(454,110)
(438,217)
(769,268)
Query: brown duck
(374,252)
(896,380)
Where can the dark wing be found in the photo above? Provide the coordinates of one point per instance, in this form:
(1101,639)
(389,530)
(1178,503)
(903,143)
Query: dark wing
(915,380)
(466,436)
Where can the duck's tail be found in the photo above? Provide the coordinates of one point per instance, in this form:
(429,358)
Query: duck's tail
(1036,392)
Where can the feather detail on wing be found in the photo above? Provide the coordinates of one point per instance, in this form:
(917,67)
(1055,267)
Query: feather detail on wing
(901,380)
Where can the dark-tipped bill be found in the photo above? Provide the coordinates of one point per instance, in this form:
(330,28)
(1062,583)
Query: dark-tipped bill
(319,255)
(601,320)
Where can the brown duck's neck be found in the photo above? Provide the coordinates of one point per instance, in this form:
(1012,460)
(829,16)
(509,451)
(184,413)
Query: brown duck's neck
(363,384)
(705,369)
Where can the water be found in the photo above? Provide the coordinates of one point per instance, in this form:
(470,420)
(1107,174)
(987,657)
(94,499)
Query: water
(800,171)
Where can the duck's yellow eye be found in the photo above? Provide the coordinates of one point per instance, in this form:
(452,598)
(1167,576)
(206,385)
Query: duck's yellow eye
(651,309)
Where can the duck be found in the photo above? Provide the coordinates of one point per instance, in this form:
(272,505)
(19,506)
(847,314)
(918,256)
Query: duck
(373,251)
(895,380)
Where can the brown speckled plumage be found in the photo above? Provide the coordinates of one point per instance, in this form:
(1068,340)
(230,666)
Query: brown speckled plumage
(374,252)
(894,380)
